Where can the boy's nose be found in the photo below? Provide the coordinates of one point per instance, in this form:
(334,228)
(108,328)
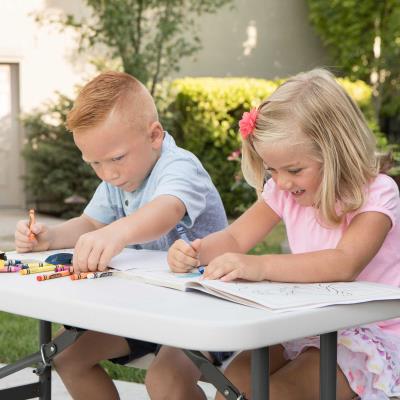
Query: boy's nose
(110,174)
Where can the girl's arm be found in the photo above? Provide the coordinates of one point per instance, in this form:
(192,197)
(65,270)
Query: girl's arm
(359,244)
(240,237)
(243,234)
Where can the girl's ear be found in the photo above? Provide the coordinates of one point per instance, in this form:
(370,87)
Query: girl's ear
(156,134)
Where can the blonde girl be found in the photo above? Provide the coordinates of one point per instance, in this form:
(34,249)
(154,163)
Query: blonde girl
(309,153)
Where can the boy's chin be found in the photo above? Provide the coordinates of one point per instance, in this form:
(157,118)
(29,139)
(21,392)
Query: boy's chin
(128,187)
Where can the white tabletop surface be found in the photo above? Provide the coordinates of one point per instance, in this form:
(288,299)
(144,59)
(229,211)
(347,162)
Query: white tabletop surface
(188,320)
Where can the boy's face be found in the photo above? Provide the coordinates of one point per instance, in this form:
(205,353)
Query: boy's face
(120,151)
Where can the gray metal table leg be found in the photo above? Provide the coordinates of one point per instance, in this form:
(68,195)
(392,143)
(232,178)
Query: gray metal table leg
(260,374)
(45,377)
(328,366)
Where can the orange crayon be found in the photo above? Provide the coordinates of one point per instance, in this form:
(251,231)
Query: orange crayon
(31,223)
(60,274)
(81,275)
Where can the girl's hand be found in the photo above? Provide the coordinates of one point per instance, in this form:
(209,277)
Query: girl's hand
(39,242)
(231,266)
(183,257)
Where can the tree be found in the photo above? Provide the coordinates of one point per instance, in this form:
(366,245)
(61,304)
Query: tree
(363,38)
(150,37)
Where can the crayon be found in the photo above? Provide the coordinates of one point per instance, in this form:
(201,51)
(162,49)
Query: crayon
(95,275)
(31,223)
(12,262)
(28,271)
(2,263)
(11,268)
(60,268)
(53,276)
(81,275)
(35,265)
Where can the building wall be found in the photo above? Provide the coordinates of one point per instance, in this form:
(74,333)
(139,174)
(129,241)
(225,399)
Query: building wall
(258,38)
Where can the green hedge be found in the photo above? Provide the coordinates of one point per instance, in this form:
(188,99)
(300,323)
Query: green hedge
(55,171)
(201,113)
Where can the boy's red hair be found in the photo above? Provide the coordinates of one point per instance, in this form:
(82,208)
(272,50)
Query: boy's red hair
(99,97)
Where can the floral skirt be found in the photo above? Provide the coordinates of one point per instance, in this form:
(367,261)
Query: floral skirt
(368,356)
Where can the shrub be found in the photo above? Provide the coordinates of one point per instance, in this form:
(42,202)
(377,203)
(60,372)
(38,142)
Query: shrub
(55,172)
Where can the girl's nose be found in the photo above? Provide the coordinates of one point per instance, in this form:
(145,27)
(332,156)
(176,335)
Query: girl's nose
(284,183)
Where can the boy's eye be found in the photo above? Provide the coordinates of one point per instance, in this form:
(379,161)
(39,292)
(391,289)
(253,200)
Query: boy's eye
(295,171)
(118,158)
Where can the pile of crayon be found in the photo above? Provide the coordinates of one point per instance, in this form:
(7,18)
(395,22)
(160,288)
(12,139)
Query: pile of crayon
(28,267)
(58,270)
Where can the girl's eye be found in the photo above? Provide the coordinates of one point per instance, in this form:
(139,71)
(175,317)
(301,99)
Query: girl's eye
(118,158)
(294,171)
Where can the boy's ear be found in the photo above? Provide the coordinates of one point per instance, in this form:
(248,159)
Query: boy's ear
(156,133)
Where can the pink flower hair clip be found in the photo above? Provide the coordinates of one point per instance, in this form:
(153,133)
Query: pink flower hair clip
(248,123)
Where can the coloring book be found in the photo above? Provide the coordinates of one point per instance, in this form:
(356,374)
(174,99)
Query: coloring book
(151,267)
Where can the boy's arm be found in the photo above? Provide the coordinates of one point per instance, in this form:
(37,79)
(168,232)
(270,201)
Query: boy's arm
(66,234)
(46,237)
(94,250)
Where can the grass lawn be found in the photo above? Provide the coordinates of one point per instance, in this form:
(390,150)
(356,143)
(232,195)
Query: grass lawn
(18,335)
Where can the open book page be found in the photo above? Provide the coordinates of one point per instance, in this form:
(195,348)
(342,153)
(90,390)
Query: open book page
(163,277)
(273,296)
(140,259)
(295,296)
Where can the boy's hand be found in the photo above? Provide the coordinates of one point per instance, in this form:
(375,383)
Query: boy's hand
(231,266)
(94,250)
(183,257)
(39,242)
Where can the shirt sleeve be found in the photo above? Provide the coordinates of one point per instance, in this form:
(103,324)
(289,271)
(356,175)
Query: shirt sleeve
(187,181)
(274,197)
(100,207)
(382,196)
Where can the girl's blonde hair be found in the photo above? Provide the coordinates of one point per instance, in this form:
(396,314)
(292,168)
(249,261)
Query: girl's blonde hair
(312,105)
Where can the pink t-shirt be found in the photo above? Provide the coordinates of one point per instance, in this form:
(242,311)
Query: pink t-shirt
(306,234)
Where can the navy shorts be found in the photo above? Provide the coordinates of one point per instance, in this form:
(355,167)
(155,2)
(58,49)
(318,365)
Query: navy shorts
(139,348)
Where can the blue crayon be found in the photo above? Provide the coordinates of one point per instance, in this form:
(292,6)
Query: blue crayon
(182,233)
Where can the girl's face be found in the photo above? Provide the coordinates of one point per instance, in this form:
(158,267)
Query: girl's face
(293,169)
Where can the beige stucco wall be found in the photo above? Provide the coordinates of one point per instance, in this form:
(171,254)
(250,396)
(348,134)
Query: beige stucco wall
(258,38)
(42,52)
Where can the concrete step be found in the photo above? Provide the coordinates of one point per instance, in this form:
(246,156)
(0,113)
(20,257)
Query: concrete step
(127,390)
